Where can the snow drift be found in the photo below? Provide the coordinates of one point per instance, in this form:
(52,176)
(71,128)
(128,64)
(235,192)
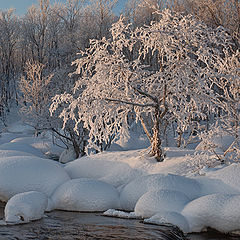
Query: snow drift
(219,211)
(25,173)
(25,207)
(85,195)
(136,188)
(157,201)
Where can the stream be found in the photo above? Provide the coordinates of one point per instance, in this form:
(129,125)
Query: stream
(62,225)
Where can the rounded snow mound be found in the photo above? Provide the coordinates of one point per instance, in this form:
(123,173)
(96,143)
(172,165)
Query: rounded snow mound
(169,217)
(153,202)
(229,175)
(12,153)
(115,173)
(22,147)
(25,207)
(212,186)
(136,188)
(19,127)
(218,211)
(22,174)
(121,176)
(28,140)
(6,137)
(85,195)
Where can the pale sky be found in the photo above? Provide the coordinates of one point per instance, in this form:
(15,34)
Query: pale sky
(21,6)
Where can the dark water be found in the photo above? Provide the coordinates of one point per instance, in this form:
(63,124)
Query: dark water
(60,225)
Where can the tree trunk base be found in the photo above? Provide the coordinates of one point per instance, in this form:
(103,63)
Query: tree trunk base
(158,154)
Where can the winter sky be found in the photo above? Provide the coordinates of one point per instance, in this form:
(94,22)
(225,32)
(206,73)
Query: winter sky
(21,6)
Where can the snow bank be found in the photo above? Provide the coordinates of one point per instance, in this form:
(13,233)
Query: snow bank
(211,186)
(22,174)
(19,127)
(67,155)
(7,137)
(25,207)
(85,195)
(169,217)
(121,176)
(11,153)
(135,189)
(43,144)
(133,141)
(28,140)
(229,175)
(153,202)
(87,168)
(218,211)
(115,173)
(22,147)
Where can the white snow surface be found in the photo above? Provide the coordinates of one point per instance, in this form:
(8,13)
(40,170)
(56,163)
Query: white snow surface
(11,153)
(43,143)
(112,172)
(127,180)
(136,188)
(229,175)
(120,214)
(157,201)
(67,155)
(169,217)
(86,195)
(25,207)
(6,137)
(26,173)
(219,211)
(22,147)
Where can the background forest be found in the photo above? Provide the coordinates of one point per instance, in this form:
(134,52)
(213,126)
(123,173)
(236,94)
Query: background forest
(175,72)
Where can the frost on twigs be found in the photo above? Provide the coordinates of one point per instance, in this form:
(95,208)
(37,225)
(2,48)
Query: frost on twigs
(221,143)
(164,73)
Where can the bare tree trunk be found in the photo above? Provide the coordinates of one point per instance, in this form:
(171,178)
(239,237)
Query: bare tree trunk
(156,139)
(179,140)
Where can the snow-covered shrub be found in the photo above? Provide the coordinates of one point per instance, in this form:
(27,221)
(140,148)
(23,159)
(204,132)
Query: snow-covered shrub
(221,143)
(201,160)
(38,86)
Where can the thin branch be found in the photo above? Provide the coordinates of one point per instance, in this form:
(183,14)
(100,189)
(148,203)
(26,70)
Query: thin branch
(130,103)
(146,94)
(61,135)
(164,102)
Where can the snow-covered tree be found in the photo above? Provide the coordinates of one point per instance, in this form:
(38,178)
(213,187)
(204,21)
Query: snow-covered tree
(38,86)
(187,55)
(215,13)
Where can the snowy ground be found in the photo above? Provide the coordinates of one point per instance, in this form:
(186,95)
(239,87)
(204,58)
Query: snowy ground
(182,190)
